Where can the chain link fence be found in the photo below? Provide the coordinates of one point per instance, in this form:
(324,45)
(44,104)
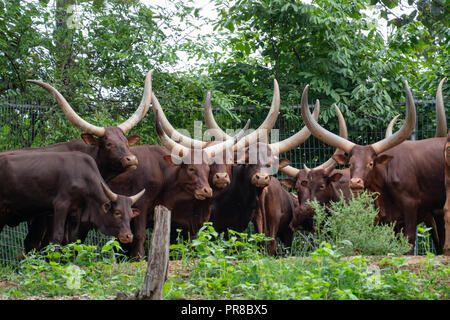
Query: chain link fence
(27,125)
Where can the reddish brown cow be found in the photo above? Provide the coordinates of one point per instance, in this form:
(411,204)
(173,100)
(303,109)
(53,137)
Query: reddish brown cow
(411,185)
(63,183)
(274,214)
(322,183)
(110,150)
(253,194)
(446,249)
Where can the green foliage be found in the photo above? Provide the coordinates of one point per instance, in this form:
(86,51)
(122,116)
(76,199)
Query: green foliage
(350,228)
(73,269)
(209,270)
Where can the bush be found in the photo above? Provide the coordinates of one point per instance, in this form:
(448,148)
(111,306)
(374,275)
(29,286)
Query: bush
(350,228)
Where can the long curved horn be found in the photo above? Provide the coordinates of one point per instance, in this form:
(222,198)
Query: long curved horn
(290,171)
(211,123)
(441,121)
(267,124)
(169,129)
(69,112)
(295,140)
(173,147)
(111,195)
(141,111)
(405,131)
(137,196)
(331,163)
(215,149)
(391,126)
(318,131)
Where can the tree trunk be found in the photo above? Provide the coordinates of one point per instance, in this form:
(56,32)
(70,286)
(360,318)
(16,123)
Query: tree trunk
(63,38)
(158,257)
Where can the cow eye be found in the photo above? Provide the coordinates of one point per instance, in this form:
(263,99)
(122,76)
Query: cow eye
(322,187)
(117,214)
(370,165)
(191,169)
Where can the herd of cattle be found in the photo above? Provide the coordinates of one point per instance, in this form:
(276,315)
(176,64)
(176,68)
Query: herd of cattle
(104,182)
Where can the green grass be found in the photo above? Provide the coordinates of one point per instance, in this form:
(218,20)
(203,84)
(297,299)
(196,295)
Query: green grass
(335,263)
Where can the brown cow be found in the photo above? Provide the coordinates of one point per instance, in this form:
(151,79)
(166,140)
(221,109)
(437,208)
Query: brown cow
(446,249)
(322,183)
(253,194)
(411,185)
(274,214)
(110,150)
(63,183)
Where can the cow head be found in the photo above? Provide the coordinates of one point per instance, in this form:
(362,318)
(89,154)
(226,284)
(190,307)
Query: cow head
(192,176)
(194,163)
(320,184)
(116,214)
(363,160)
(113,155)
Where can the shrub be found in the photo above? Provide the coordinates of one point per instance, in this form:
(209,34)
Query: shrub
(350,227)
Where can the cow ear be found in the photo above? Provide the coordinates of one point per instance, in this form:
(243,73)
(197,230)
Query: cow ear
(133,139)
(136,212)
(106,206)
(335,177)
(89,139)
(288,183)
(340,159)
(383,159)
(283,163)
(169,158)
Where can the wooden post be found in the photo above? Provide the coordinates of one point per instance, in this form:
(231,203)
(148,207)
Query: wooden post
(158,257)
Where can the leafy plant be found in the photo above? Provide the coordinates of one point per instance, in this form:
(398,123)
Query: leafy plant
(351,228)
(73,269)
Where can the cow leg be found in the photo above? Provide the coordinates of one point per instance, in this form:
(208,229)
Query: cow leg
(138,227)
(61,211)
(37,227)
(409,212)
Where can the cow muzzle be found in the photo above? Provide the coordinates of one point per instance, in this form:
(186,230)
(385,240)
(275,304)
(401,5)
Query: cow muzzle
(260,180)
(306,210)
(221,180)
(126,237)
(203,193)
(356,185)
(130,162)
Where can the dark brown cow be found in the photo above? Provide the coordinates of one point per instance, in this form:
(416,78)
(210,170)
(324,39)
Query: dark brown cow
(110,150)
(64,183)
(244,199)
(322,183)
(407,175)
(446,249)
(274,214)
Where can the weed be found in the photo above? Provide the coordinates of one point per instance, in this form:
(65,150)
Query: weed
(350,227)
